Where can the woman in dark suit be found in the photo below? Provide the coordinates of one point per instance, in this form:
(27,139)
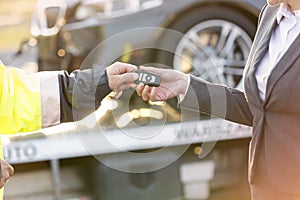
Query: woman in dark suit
(269,102)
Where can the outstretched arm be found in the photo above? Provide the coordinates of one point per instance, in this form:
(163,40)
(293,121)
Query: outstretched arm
(31,102)
(173,83)
(198,95)
(81,92)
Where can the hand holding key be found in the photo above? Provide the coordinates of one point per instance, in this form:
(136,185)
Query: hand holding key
(172,83)
(121,76)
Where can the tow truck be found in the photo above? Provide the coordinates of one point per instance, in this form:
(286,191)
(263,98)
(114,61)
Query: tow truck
(91,159)
(129,149)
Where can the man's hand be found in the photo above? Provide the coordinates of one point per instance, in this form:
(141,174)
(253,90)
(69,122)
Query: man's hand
(172,84)
(6,171)
(121,76)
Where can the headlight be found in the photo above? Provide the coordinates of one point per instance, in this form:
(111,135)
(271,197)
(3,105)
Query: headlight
(105,9)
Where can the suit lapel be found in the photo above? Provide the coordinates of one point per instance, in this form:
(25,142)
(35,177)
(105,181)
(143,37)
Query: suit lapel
(263,44)
(282,66)
(260,46)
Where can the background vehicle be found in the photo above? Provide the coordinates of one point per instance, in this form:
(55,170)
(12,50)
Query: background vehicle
(68,30)
(210,39)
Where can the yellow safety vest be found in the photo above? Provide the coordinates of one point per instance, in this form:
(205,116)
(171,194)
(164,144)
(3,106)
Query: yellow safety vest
(31,102)
(20,103)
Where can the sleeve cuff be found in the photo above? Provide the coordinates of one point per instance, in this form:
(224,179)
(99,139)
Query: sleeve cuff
(182,96)
(49,88)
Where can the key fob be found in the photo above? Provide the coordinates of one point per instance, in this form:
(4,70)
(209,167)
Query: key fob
(148,78)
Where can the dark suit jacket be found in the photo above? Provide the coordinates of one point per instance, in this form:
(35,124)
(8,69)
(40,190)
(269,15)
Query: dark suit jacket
(276,120)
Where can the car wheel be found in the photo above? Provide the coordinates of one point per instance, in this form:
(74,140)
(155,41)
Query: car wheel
(215,45)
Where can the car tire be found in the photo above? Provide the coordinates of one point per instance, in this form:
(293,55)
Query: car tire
(214,13)
(168,45)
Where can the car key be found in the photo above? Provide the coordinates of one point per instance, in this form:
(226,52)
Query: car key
(148,78)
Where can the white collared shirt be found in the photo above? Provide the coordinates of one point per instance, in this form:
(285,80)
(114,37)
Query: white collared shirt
(281,39)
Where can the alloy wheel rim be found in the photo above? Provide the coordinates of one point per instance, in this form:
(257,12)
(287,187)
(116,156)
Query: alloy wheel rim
(215,50)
